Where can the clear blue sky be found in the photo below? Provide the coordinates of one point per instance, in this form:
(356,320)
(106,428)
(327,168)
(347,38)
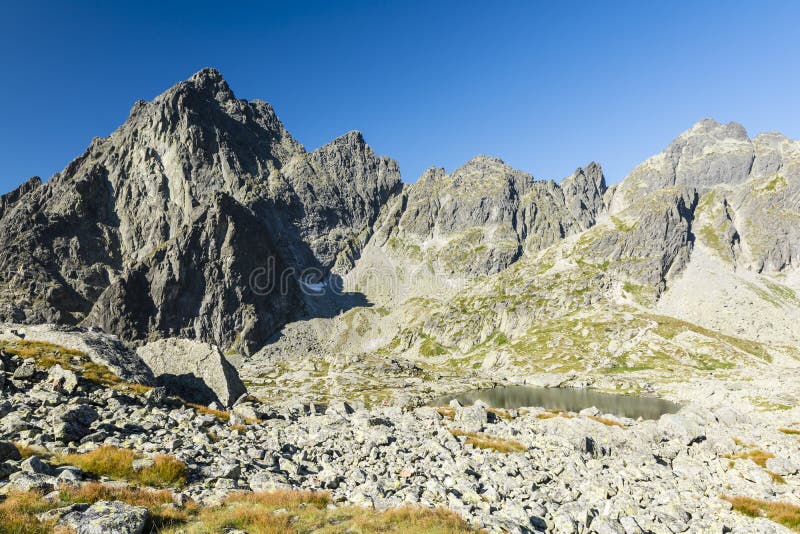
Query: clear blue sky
(547,86)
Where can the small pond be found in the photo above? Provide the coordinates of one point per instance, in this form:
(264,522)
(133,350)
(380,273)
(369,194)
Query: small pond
(568,399)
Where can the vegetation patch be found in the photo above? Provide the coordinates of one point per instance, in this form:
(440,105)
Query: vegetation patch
(116,463)
(486,441)
(549,414)
(222,415)
(446,412)
(26,451)
(19,510)
(776,478)
(757,456)
(790,431)
(430,348)
(785,513)
(622,226)
(767,405)
(669,327)
(305,512)
(47,355)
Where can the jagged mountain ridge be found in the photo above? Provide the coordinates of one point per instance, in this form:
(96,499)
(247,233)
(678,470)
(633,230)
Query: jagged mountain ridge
(672,280)
(154,231)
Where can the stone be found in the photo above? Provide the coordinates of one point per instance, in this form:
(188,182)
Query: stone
(22,481)
(679,427)
(782,466)
(61,380)
(142,463)
(472,418)
(35,465)
(25,371)
(157,395)
(8,451)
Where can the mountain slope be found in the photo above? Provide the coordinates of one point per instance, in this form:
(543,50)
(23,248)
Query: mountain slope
(202,217)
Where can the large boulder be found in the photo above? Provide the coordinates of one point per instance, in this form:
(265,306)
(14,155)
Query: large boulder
(193,370)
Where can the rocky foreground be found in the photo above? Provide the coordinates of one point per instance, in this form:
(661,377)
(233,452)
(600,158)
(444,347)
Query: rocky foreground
(502,470)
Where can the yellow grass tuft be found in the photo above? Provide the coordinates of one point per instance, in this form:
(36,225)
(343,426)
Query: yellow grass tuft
(222,415)
(18,514)
(256,513)
(485,441)
(446,412)
(549,414)
(288,511)
(776,477)
(116,463)
(606,421)
(757,456)
(19,509)
(785,513)
(26,451)
(790,431)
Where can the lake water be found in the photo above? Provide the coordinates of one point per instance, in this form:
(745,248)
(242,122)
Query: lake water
(568,399)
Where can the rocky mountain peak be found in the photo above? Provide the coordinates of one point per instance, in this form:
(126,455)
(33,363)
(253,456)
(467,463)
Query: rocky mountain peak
(705,155)
(211,82)
(482,162)
(353,137)
(710,128)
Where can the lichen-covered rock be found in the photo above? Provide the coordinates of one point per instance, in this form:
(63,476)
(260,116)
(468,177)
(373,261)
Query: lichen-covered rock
(108,516)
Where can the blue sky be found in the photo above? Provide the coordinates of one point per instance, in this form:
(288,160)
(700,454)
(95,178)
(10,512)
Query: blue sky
(546,86)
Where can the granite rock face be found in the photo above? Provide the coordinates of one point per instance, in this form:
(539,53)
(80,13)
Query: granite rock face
(483,216)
